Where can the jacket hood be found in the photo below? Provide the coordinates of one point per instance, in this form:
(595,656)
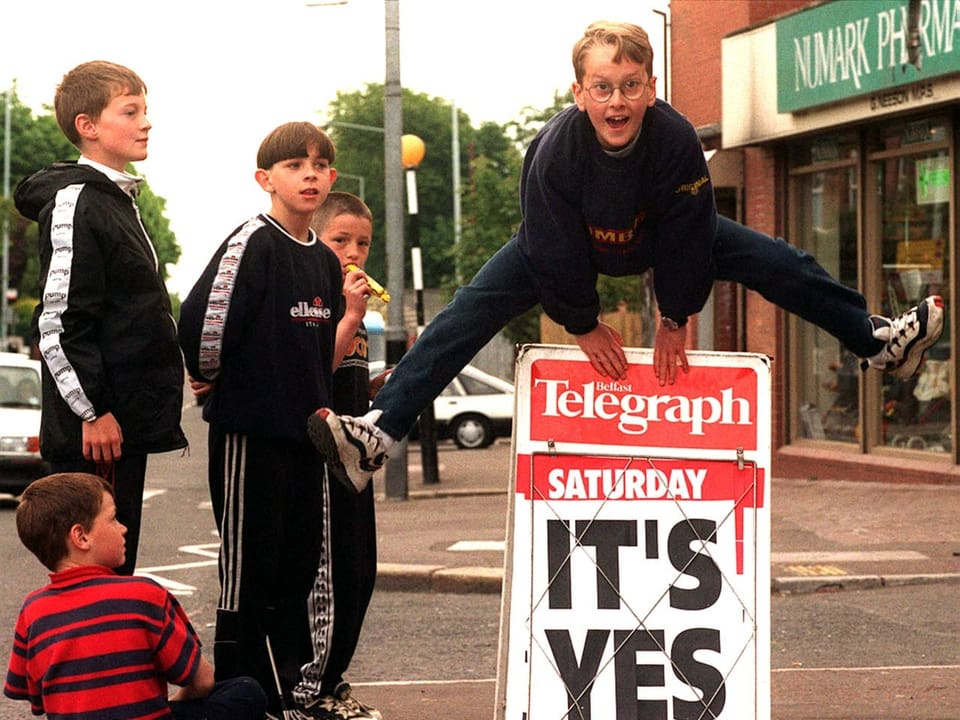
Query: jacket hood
(34,192)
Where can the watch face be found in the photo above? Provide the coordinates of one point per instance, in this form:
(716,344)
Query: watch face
(669,323)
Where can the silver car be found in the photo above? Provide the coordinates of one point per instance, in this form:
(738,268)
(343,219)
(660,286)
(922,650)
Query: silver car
(20,461)
(473,410)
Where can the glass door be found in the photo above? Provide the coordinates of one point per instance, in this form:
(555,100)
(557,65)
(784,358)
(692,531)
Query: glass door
(825,377)
(911,169)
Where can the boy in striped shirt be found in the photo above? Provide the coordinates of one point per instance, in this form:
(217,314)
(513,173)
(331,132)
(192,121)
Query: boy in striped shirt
(96,645)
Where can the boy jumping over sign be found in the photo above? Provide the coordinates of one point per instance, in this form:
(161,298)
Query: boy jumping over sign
(616,184)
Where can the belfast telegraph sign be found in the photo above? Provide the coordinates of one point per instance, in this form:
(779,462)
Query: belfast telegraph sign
(637,582)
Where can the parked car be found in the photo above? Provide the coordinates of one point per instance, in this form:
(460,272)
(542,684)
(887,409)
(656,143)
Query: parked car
(20,461)
(473,410)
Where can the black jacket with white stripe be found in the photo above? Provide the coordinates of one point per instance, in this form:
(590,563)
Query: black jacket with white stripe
(103,325)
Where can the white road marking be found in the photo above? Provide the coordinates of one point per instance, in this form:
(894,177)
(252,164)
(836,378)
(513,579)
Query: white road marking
(397,683)
(207,550)
(178,566)
(478,546)
(172,585)
(878,668)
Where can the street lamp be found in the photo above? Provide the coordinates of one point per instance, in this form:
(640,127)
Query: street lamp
(412,151)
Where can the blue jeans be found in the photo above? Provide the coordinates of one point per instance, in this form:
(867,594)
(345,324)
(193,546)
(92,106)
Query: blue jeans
(239,698)
(507,286)
(793,280)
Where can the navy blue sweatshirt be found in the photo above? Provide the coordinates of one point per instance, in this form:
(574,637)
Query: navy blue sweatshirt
(261,323)
(586,213)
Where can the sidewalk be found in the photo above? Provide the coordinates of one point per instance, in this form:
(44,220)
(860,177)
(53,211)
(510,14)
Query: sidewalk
(448,537)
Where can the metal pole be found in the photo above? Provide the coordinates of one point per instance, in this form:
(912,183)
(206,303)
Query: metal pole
(395,483)
(666,54)
(427,422)
(455,171)
(5,306)
(361,181)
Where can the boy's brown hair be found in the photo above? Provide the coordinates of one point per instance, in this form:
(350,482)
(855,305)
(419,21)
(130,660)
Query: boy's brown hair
(294,140)
(52,505)
(339,203)
(630,42)
(88,89)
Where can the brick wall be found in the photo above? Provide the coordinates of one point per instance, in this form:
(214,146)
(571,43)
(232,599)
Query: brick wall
(764,321)
(697,29)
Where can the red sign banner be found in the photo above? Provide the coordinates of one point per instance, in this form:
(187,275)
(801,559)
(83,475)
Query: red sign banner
(711,408)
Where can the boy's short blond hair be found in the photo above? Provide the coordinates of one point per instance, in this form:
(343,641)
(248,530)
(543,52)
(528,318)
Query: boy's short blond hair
(339,203)
(88,89)
(629,41)
(52,505)
(294,140)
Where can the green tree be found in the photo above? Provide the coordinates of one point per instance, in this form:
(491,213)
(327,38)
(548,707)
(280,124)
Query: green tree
(355,122)
(491,214)
(153,214)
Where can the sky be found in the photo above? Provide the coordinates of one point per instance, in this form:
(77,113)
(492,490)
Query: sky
(221,75)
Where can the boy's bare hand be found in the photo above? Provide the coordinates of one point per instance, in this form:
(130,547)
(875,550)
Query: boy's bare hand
(102,439)
(377,383)
(356,291)
(603,347)
(669,350)
(199,388)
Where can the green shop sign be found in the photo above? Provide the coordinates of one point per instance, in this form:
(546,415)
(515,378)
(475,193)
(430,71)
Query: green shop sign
(848,48)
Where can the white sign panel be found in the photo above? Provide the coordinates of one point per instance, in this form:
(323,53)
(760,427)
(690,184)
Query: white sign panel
(638,554)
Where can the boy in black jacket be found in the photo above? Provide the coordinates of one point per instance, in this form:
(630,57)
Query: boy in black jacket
(260,327)
(112,369)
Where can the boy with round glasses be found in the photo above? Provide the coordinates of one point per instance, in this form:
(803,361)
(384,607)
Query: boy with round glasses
(617,184)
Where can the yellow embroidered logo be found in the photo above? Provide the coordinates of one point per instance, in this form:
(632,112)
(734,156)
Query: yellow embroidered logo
(692,188)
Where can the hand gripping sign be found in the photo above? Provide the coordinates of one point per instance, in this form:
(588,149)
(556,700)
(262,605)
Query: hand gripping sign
(638,561)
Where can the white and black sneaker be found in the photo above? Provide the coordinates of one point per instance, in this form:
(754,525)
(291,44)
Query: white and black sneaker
(352,446)
(339,706)
(908,336)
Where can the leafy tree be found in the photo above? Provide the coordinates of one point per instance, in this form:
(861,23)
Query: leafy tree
(492,214)
(152,213)
(531,119)
(355,122)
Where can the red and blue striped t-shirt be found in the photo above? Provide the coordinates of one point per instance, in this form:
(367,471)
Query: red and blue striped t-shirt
(94,644)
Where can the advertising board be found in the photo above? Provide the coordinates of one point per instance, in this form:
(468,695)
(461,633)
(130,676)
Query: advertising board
(638,560)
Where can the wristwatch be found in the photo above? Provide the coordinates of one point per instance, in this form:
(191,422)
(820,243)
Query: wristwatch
(670,324)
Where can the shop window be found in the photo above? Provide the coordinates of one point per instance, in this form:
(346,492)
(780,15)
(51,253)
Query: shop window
(911,169)
(824,376)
